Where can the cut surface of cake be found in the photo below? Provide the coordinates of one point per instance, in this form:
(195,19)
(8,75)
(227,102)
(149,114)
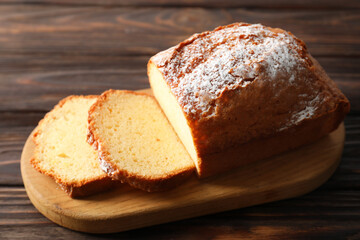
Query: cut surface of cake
(62,152)
(136,143)
(244,92)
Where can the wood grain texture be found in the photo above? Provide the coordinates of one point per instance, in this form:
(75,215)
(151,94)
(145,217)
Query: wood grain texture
(308,4)
(11,143)
(121,31)
(42,85)
(284,176)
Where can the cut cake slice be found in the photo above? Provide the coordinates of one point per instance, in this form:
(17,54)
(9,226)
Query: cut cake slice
(62,152)
(136,143)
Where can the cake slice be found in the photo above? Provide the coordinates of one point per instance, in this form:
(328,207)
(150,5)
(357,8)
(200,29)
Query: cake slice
(136,143)
(62,152)
(244,92)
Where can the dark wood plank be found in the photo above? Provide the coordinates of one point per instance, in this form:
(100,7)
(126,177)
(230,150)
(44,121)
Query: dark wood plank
(19,119)
(320,4)
(145,31)
(38,82)
(347,176)
(318,215)
(42,82)
(12,140)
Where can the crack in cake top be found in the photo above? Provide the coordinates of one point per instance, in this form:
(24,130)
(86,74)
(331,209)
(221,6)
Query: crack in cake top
(202,67)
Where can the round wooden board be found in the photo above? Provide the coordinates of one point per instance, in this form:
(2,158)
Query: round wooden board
(287,175)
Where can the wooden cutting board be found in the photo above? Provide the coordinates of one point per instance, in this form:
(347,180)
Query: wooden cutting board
(287,175)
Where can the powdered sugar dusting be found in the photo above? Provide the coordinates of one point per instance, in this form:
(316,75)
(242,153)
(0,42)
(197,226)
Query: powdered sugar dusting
(307,112)
(207,64)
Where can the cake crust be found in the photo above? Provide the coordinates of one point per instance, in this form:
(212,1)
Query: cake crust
(244,83)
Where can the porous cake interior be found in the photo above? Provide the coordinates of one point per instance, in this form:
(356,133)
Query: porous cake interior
(138,137)
(172,110)
(62,150)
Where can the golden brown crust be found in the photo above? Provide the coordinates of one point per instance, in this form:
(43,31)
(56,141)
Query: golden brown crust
(258,108)
(144,183)
(89,188)
(307,132)
(78,189)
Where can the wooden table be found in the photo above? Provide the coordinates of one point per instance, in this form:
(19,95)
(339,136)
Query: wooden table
(53,48)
